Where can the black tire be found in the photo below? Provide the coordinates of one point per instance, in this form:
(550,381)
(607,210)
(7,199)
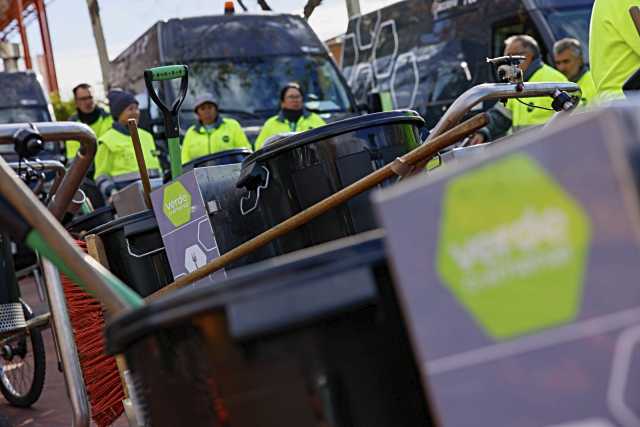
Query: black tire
(30,359)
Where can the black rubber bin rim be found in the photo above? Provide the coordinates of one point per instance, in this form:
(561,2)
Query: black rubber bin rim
(334,129)
(311,263)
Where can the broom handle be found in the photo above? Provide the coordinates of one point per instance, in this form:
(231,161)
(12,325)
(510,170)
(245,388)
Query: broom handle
(144,175)
(634,11)
(423,152)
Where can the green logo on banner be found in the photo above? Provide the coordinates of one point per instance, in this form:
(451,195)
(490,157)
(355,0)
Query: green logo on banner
(513,247)
(176,204)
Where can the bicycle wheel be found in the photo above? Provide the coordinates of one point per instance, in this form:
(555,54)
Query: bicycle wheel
(23,366)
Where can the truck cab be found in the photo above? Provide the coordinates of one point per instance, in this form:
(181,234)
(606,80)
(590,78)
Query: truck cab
(423,54)
(243,60)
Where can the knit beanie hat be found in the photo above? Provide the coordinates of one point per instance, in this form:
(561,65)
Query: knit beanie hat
(119,100)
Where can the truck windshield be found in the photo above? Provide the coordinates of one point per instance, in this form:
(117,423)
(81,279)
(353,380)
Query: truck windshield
(250,87)
(23,115)
(573,22)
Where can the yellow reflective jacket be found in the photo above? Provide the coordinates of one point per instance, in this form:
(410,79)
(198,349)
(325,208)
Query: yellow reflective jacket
(528,115)
(614,46)
(99,127)
(588,88)
(199,141)
(278,124)
(116,158)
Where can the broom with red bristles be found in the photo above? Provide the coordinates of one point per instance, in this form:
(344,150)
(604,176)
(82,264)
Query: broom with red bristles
(100,372)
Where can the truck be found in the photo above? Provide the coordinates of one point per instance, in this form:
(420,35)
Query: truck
(422,54)
(243,60)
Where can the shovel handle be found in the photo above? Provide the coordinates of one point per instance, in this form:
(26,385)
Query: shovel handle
(171,125)
(168,72)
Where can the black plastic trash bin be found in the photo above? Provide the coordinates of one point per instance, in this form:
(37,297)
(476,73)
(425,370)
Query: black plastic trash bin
(298,171)
(226,157)
(311,339)
(218,186)
(82,224)
(135,252)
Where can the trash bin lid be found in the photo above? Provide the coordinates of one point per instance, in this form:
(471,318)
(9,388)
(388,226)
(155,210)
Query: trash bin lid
(325,132)
(218,155)
(125,221)
(85,218)
(334,129)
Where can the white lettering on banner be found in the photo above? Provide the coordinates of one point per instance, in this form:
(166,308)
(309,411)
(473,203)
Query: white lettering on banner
(532,230)
(534,242)
(177,204)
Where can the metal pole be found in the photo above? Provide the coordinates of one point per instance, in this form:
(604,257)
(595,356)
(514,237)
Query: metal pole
(23,35)
(68,351)
(353,8)
(46,44)
(101,44)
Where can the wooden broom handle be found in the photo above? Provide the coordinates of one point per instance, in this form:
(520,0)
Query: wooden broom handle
(421,153)
(144,175)
(634,11)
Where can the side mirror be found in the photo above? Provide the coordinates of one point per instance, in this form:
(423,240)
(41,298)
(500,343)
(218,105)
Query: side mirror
(374,102)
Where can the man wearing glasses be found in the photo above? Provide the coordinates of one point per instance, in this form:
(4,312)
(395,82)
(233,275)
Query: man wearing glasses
(293,117)
(517,115)
(88,113)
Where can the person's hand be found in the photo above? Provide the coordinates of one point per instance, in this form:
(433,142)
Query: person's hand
(476,139)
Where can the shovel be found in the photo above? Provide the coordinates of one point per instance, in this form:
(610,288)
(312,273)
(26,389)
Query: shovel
(171,122)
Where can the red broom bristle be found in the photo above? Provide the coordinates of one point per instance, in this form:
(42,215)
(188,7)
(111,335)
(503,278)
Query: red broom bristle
(100,372)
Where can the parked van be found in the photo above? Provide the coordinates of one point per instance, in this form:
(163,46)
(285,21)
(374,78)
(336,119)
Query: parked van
(422,54)
(243,60)
(23,100)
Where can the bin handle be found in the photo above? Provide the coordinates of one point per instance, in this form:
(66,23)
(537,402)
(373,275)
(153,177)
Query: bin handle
(260,187)
(155,251)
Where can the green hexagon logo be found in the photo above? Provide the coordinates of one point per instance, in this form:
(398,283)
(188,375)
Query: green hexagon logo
(176,204)
(513,247)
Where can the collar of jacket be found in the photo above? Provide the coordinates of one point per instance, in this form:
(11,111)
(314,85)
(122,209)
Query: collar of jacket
(582,72)
(535,65)
(121,128)
(91,118)
(200,128)
(305,114)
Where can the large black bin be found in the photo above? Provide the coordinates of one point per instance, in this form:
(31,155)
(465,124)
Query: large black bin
(135,252)
(311,339)
(226,157)
(82,224)
(231,228)
(298,171)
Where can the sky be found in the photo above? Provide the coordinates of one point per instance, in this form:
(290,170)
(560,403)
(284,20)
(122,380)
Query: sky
(125,20)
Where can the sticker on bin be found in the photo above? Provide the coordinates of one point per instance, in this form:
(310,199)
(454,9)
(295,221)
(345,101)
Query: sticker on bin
(184,224)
